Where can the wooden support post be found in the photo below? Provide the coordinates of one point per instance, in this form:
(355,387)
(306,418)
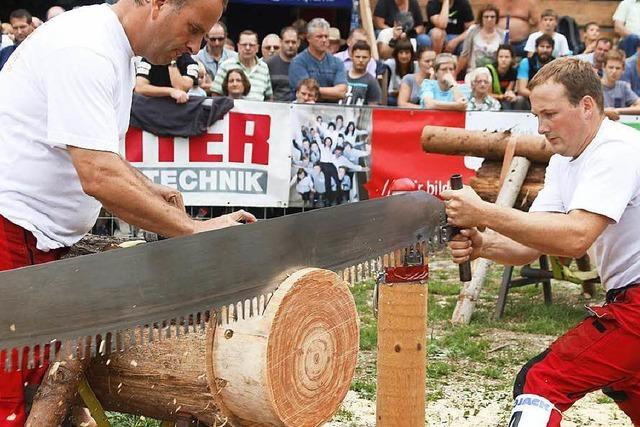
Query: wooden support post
(402,330)
(507,197)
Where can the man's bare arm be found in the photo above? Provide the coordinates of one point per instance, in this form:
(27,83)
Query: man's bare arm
(333,93)
(471,244)
(178,81)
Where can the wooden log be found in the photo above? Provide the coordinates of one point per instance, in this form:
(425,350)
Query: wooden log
(486,181)
(490,145)
(471,290)
(401,367)
(290,366)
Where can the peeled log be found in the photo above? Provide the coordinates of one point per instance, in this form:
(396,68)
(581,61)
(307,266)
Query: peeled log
(290,366)
(487,178)
(490,145)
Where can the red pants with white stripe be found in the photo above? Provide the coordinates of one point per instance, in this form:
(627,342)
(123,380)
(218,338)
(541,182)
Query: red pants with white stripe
(18,249)
(600,353)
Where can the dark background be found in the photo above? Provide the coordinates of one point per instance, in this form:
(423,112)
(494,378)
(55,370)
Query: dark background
(263,19)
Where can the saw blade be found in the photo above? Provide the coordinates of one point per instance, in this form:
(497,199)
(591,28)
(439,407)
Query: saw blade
(171,283)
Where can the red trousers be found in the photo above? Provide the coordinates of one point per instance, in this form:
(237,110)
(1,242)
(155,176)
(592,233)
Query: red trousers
(18,249)
(600,353)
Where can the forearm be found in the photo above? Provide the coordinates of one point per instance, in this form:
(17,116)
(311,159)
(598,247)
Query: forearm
(155,91)
(443,17)
(445,105)
(334,93)
(503,250)
(621,29)
(570,236)
(178,81)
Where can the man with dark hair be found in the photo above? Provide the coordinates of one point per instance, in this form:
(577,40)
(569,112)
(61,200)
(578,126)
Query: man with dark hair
(254,68)
(356,35)
(316,62)
(214,53)
(589,200)
(64,110)
(599,54)
(363,87)
(22,23)
(548,25)
(279,64)
(529,66)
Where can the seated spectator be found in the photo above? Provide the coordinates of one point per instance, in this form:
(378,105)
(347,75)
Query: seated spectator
(529,67)
(482,41)
(356,35)
(386,13)
(255,69)
(448,22)
(591,36)
(335,40)
(22,24)
(444,93)
(519,19)
(316,62)
(214,51)
(174,80)
(626,24)
(363,88)
(54,11)
(400,64)
(270,46)
(549,23)
(503,78)
(388,37)
(618,96)
(279,65)
(597,57)
(632,71)
(409,95)
(236,84)
(307,91)
(301,27)
(481,100)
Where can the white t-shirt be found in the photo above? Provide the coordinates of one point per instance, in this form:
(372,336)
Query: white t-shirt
(628,11)
(560,44)
(69,83)
(604,179)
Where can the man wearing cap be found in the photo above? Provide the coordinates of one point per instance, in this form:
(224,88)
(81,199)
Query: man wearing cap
(356,35)
(335,40)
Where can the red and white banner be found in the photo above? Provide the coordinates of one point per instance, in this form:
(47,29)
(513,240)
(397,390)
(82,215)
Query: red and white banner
(243,160)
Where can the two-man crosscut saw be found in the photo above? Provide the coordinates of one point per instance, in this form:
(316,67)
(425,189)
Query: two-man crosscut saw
(177,281)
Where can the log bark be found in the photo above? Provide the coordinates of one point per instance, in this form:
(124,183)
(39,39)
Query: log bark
(490,145)
(56,393)
(471,290)
(485,183)
(290,366)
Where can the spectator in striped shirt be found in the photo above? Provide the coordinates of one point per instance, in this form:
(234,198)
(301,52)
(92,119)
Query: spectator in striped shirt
(254,68)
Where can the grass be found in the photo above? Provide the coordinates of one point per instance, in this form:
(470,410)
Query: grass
(124,420)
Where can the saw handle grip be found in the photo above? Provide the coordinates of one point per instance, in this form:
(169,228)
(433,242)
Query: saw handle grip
(465,268)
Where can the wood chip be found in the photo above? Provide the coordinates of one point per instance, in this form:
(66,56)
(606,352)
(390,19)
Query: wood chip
(54,369)
(12,328)
(133,363)
(11,417)
(108,361)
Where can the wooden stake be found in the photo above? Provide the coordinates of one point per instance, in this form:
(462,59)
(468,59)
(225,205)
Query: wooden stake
(507,197)
(402,330)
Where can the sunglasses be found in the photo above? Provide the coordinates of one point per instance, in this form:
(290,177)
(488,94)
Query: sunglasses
(215,39)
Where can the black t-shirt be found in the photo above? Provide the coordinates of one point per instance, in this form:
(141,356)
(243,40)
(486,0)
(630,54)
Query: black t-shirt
(460,13)
(388,9)
(279,73)
(362,91)
(506,78)
(158,75)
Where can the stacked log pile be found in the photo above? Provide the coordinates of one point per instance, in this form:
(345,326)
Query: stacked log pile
(492,147)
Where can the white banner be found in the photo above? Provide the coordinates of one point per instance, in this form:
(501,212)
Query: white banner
(243,160)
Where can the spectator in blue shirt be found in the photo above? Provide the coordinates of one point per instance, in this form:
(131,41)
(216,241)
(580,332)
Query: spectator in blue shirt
(631,74)
(22,23)
(444,93)
(318,63)
(529,67)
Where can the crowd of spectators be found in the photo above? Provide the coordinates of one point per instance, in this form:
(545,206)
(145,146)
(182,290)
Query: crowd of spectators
(442,57)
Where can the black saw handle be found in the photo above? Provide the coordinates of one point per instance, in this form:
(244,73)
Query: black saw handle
(464,268)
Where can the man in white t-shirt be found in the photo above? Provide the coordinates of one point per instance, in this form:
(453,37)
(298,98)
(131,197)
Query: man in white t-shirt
(548,25)
(591,198)
(65,105)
